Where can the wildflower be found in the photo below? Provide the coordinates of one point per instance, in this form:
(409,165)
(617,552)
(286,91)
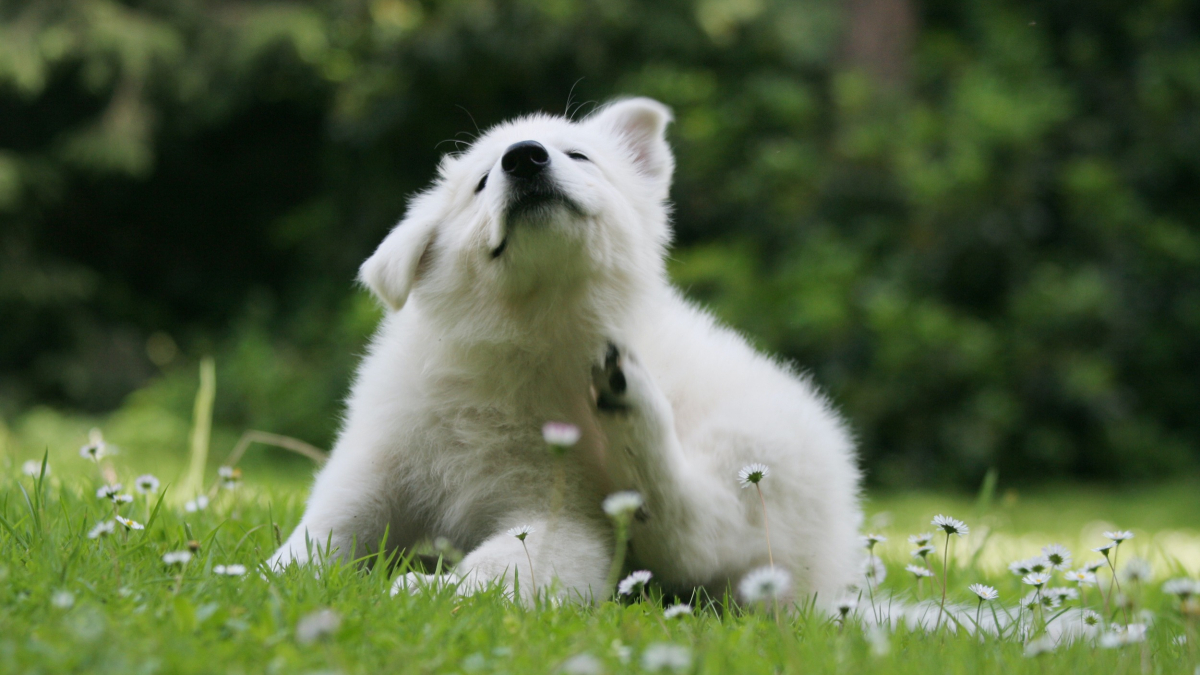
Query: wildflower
(122,499)
(919,571)
(1081,577)
(1035,598)
(1091,618)
(317,625)
(662,656)
(198,504)
(102,529)
(677,610)
(874,571)
(984,592)
(1182,587)
(1094,566)
(622,504)
(1119,535)
(870,540)
(1063,593)
(634,582)
(229,570)
(751,474)
(1058,556)
(1103,550)
(1136,570)
(923,552)
(560,435)
(129,523)
(1118,636)
(177,557)
(521,532)
(146,484)
(845,606)
(62,600)
(94,450)
(765,584)
(230,476)
(1032,565)
(920,540)
(582,664)
(1042,645)
(108,491)
(33,468)
(1036,579)
(951,525)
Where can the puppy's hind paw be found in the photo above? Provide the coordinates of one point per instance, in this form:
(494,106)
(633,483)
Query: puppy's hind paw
(609,383)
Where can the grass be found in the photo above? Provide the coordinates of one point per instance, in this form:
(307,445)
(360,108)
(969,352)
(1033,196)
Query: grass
(110,605)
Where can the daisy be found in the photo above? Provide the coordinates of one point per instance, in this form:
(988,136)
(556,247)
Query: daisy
(1036,579)
(94,451)
(1103,550)
(177,557)
(951,525)
(1136,570)
(102,529)
(622,504)
(230,570)
(1081,577)
(874,571)
(1063,593)
(146,484)
(521,532)
(122,499)
(765,584)
(1119,535)
(1182,587)
(751,474)
(1058,555)
(984,592)
(923,552)
(108,491)
(33,468)
(677,610)
(870,540)
(129,523)
(198,504)
(920,540)
(634,582)
(560,434)
(1094,566)
(918,571)
(230,476)
(1036,598)
(1091,618)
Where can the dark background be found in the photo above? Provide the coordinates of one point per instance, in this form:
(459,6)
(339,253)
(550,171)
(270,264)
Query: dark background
(975,223)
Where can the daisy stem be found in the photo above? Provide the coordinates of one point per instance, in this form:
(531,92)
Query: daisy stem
(618,561)
(978,610)
(766,524)
(945,581)
(532,580)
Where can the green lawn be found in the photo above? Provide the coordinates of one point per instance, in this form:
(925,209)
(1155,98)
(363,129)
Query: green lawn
(69,603)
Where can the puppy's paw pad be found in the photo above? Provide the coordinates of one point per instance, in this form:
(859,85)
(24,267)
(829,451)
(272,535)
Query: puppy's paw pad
(608,380)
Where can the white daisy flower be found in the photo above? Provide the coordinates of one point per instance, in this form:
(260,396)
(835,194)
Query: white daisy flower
(177,557)
(918,571)
(62,600)
(873,570)
(634,582)
(108,491)
(1037,579)
(317,625)
(230,476)
(1182,587)
(751,474)
(33,468)
(1063,593)
(765,584)
(923,552)
(102,529)
(920,540)
(1119,536)
(229,570)
(560,434)
(1081,577)
(521,531)
(1091,618)
(1105,548)
(662,656)
(845,606)
(677,610)
(94,451)
(1035,598)
(1119,636)
(984,592)
(146,484)
(198,504)
(951,525)
(122,499)
(622,504)
(130,524)
(1094,566)
(1136,570)
(869,540)
(1058,555)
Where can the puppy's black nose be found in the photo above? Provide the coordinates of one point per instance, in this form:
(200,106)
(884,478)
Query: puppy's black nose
(525,159)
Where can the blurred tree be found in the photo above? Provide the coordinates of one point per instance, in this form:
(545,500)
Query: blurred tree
(973,222)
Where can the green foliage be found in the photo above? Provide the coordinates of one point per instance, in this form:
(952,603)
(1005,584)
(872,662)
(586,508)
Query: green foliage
(992,262)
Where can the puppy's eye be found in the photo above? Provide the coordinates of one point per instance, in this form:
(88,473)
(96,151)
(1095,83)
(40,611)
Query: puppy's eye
(579,156)
(482,184)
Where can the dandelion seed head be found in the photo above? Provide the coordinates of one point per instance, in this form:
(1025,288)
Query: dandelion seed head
(634,582)
(33,468)
(984,591)
(146,484)
(102,529)
(677,610)
(662,656)
(622,504)
(177,557)
(1057,555)
(951,525)
(751,474)
(317,625)
(919,571)
(521,531)
(765,584)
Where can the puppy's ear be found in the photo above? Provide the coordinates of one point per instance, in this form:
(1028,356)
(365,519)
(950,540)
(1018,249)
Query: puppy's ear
(641,125)
(391,271)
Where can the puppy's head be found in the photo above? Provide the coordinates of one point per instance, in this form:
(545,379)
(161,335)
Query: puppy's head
(537,214)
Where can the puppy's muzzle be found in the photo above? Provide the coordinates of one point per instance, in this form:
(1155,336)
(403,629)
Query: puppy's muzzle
(525,160)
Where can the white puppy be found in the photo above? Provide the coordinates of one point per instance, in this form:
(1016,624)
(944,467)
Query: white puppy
(527,285)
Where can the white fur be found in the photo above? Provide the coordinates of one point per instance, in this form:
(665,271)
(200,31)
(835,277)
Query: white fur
(442,436)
